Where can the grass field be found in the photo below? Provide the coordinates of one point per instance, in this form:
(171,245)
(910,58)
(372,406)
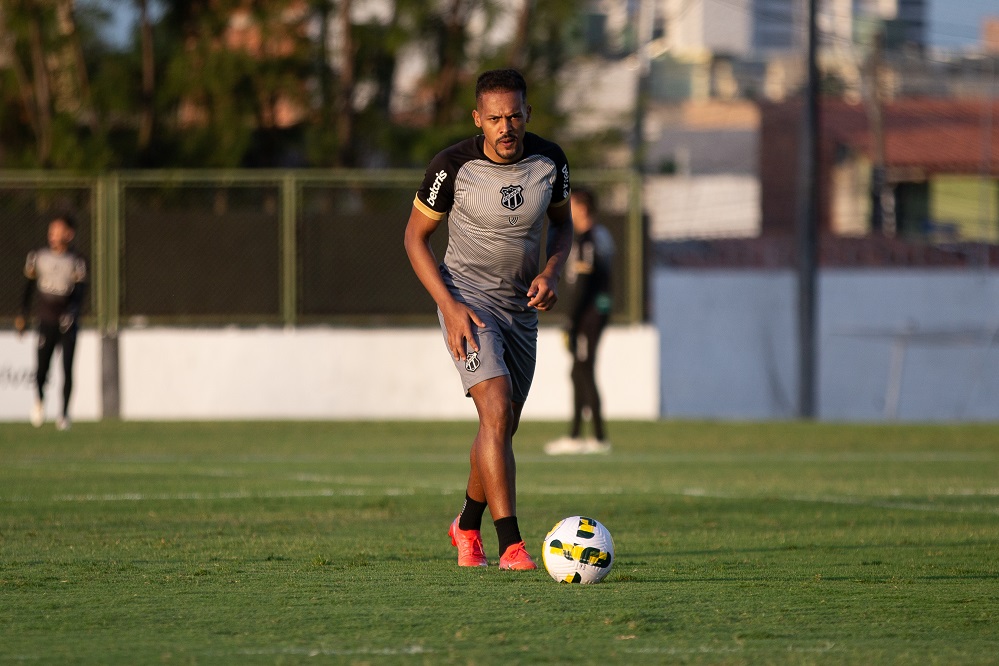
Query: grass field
(261,543)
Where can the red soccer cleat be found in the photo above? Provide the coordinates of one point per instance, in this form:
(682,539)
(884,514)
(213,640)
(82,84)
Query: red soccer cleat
(516,558)
(469,543)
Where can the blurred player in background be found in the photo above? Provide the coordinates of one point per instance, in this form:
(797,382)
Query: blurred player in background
(495,190)
(589,270)
(58,274)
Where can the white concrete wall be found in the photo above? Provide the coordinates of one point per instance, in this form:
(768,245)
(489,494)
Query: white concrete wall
(331,373)
(915,345)
(903,344)
(316,373)
(17,378)
(728,349)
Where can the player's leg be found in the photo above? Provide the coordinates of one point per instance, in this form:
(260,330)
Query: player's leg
(486,379)
(68,344)
(480,366)
(580,397)
(584,369)
(592,327)
(598,415)
(465,530)
(520,343)
(48,336)
(475,488)
(486,482)
(493,469)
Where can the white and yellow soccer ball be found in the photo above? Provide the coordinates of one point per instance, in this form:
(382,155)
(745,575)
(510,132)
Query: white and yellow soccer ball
(578,550)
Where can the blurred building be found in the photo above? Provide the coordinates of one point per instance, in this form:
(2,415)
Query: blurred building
(990,36)
(941,161)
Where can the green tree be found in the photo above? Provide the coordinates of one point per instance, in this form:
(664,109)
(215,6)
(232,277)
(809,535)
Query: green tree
(440,33)
(234,70)
(230,83)
(48,112)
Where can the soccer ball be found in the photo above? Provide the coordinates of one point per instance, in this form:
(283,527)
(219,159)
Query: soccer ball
(578,550)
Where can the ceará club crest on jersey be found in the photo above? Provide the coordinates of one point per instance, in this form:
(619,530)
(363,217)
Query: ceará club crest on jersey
(512,196)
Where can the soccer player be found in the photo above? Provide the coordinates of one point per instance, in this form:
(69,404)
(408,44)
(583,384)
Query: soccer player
(58,274)
(589,269)
(495,189)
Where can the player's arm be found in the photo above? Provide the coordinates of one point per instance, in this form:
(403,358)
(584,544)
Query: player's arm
(21,321)
(543,293)
(458,318)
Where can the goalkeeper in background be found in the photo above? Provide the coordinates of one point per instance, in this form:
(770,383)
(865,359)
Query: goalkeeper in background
(589,272)
(58,274)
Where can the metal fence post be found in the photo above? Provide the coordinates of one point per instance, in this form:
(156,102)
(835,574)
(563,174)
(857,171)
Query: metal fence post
(289,251)
(107,276)
(636,250)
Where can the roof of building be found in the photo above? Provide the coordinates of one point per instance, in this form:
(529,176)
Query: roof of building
(930,135)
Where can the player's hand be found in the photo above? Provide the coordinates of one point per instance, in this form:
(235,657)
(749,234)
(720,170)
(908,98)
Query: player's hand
(460,322)
(542,294)
(65,323)
(19,325)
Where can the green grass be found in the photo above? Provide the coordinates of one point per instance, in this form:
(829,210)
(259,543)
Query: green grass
(261,543)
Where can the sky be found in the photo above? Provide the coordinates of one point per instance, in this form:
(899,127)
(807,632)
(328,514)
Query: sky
(956,23)
(951,23)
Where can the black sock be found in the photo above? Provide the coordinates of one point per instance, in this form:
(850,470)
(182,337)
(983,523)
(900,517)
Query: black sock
(470,517)
(508,532)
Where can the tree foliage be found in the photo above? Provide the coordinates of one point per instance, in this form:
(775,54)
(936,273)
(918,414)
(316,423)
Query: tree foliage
(262,83)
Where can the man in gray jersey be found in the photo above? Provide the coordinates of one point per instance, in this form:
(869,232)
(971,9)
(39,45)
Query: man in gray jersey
(58,274)
(495,190)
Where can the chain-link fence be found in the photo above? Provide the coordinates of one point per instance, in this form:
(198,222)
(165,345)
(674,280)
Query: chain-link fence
(26,208)
(292,248)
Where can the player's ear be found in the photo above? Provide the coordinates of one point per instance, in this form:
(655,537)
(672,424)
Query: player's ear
(527,118)
(476,117)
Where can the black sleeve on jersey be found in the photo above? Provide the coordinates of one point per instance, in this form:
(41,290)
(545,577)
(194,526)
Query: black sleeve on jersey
(29,291)
(436,194)
(31,282)
(561,187)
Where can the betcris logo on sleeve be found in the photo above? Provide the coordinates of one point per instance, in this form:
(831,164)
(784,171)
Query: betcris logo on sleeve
(436,187)
(565,181)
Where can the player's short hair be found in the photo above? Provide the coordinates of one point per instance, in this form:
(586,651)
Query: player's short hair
(66,219)
(587,196)
(500,80)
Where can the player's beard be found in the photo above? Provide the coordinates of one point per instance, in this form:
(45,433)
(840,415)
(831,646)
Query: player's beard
(510,150)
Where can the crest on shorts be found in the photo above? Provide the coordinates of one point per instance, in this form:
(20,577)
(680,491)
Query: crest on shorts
(472,361)
(512,196)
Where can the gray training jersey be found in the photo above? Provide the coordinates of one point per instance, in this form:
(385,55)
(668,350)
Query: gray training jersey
(496,214)
(56,277)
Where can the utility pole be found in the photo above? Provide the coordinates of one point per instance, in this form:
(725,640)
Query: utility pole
(808,226)
(643,34)
(985,195)
(882,220)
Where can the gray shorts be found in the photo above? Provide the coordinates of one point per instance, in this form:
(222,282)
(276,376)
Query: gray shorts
(508,345)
